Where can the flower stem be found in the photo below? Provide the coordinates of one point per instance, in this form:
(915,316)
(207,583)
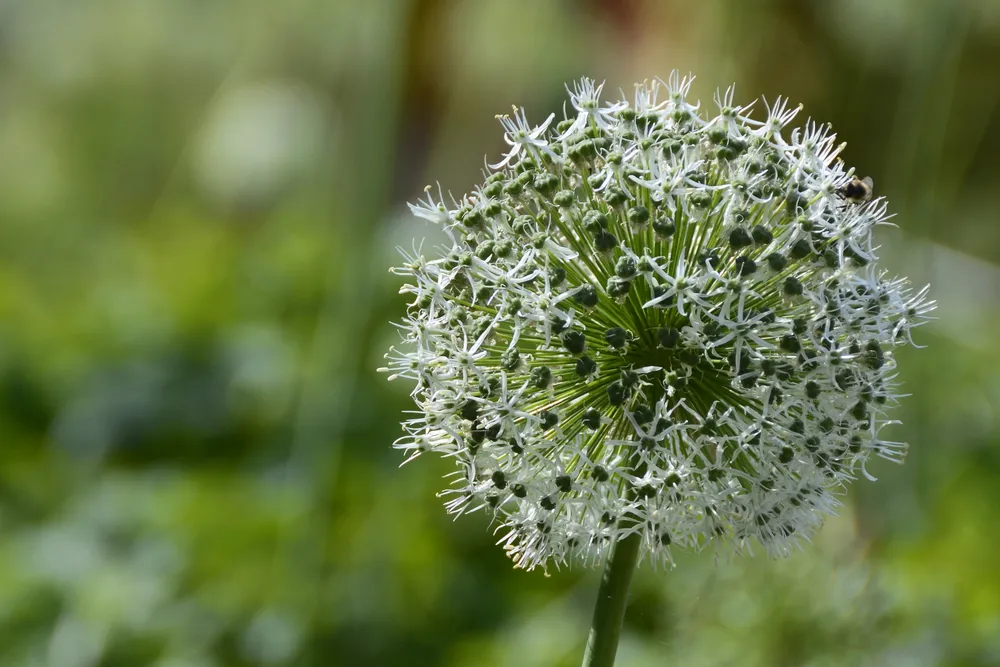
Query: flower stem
(612,598)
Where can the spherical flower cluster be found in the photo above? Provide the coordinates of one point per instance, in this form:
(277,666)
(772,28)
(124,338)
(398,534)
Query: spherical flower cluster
(652,322)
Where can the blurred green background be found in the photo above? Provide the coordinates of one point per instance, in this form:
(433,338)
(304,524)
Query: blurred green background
(199,201)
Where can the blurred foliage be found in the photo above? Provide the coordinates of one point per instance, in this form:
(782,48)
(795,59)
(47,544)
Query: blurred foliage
(198,203)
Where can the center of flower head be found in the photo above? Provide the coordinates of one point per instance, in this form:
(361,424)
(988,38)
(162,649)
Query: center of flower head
(653,322)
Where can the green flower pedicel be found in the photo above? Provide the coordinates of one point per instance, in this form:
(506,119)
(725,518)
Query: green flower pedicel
(654,328)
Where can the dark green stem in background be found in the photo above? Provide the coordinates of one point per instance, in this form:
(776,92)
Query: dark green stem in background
(612,598)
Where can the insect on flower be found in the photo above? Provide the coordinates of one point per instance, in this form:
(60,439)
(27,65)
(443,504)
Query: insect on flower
(857,190)
(652,323)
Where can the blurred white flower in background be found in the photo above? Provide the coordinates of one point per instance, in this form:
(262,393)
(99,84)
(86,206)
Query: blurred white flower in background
(258,139)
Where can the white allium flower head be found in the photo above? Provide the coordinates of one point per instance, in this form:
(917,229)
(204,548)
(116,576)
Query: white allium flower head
(652,322)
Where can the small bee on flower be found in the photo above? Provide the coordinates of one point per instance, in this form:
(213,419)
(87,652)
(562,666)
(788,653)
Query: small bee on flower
(857,190)
(657,324)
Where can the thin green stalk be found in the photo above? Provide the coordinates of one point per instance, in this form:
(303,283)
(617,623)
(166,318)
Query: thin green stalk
(612,598)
